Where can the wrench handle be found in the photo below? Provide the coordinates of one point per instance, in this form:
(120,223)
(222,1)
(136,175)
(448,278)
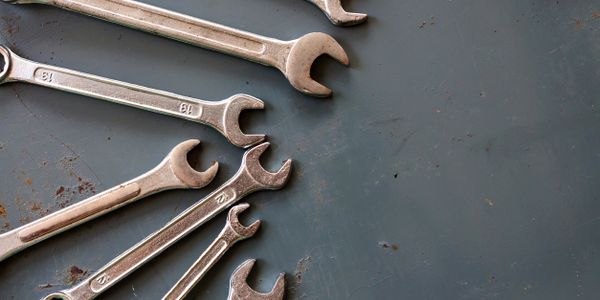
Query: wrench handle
(179,27)
(113,91)
(186,222)
(66,218)
(197,271)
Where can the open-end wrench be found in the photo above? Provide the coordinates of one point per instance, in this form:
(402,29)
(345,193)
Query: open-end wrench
(221,115)
(233,232)
(293,58)
(240,290)
(251,177)
(174,172)
(337,15)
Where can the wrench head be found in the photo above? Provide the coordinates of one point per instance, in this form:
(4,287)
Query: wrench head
(6,62)
(178,162)
(234,222)
(303,53)
(231,126)
(337,15)
(263,178)
(239,288)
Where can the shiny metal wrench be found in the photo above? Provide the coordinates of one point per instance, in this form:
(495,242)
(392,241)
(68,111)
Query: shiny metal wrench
(221,115)
(240,290)
(233,232)
(251,177)
(174,172)
(293,58)
(337,15)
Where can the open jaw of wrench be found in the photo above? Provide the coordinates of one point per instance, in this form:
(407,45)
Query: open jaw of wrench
(251,177)
(174,172)
(293,58)
(233,232)
(240,290)
(221,115)
(337,15)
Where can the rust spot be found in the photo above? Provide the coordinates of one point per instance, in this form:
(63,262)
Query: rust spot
(578,24)
(45,286)
(85,186)
(36,207)
(28,181)
(74,275)
(10,23)
(59,191)
(301,268)
(3,212)
(386,245)
(596,14)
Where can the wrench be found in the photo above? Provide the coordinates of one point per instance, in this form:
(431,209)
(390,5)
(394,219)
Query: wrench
(293,58)
(233,232)
(251,177)
(221,115)
(336,14)
(174,172)
(240,290)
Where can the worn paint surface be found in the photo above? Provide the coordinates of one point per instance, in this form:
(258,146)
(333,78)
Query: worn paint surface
(458,159)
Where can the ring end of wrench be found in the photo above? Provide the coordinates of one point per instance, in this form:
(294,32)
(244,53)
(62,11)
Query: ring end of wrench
(6,59)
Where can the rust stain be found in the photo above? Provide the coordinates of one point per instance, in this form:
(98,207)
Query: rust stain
(28,181)
(59,191)
(579,24)
(386,245)
(596,14)
(74,275)
(3,212)
(11,27)
(301,269)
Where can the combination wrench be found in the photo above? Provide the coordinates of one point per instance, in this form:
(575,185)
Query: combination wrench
(251,177)
(293,58)
(174,172)
(221,115)
(233,232)
(240,290)
(337,15)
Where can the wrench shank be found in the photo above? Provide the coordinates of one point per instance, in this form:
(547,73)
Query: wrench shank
(216,202)
(116,91)
(206,261)
(149,183)
(180,27)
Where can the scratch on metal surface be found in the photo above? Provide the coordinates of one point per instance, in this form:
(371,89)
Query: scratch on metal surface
(52,136)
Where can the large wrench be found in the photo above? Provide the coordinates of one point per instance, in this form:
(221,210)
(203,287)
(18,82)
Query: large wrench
(337,15)
(233,232)
(221,115)
(293,58)
(174,172)
(240,290)
(249,178)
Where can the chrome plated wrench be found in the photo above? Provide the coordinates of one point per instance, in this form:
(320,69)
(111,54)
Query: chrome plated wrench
(233,232)
(251,177)
(293,58)
(221,115)
(240,290)
(174,172)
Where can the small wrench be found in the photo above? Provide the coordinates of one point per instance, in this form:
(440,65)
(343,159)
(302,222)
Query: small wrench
(233,232)
(293,58)
(337,15)
(221,115)
(240,290)
(174,172)
(251,177)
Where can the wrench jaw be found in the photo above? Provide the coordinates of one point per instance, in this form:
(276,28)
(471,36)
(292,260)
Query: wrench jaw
(231,126)
(239,288)
(337,15)
(178,164)
(302,55)
(263,178)
(233,221)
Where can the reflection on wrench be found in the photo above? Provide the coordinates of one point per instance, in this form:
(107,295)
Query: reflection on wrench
(221,115)
(174,172)
(251,177)
(240,290)
(293,58)
(337,15)
(233,232)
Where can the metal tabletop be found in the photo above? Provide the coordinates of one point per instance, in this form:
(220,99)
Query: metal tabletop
(458,159)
